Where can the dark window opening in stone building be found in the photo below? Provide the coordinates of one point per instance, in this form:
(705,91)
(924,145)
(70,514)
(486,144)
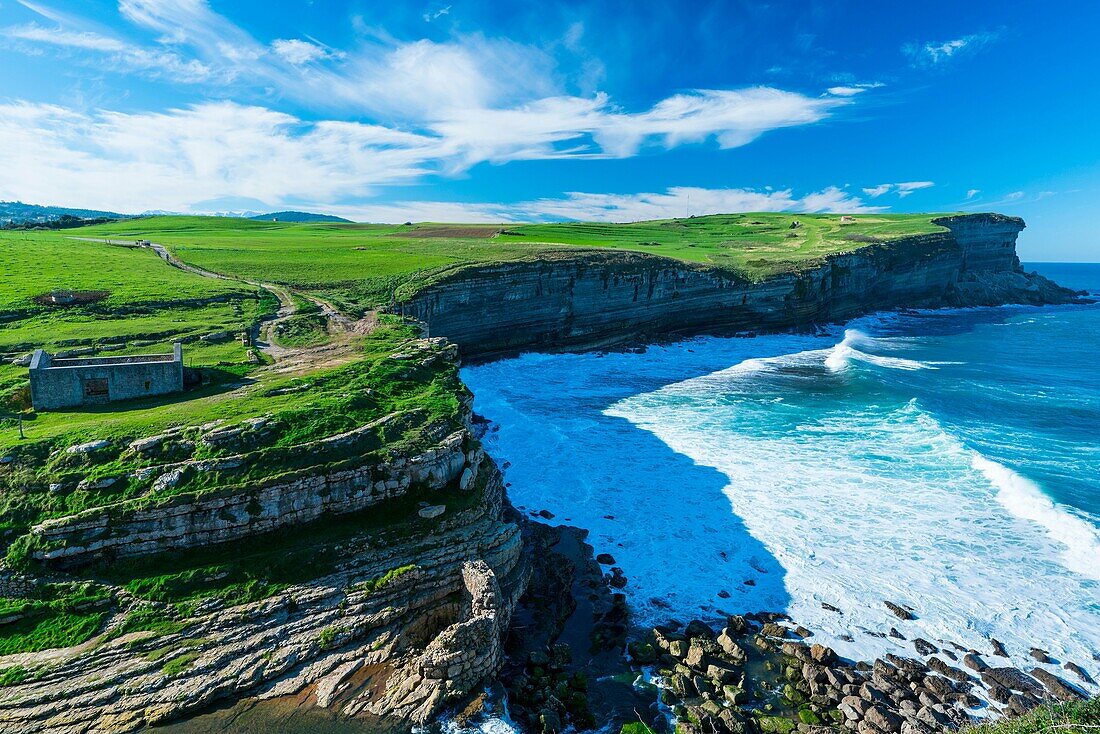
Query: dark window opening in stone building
(147,383)
(95,389)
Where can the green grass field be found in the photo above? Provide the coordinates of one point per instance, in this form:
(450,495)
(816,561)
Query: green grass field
(358,266)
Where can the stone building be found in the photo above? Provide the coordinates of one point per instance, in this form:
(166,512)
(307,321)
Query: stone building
(63,383)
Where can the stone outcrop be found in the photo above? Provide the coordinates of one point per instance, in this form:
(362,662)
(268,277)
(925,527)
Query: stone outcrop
(595,298)
(189,520)
(431,632)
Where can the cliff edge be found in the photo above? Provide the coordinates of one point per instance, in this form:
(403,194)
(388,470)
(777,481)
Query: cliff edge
(596,298)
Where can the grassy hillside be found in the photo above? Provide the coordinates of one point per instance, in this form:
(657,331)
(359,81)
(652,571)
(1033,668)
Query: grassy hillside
(360,265)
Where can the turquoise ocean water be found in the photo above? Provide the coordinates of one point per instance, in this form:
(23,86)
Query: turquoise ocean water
(947,460)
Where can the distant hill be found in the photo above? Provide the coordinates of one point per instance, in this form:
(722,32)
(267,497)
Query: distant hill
(299,217)
(20,213)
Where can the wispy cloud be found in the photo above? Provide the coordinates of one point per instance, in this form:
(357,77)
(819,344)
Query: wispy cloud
(597,207)
(436,14)
(851,90)
(299,52)
(1012,199)
(167,160)
(118,54)
(901,189)
(390,112)
(934,53)
(971,193)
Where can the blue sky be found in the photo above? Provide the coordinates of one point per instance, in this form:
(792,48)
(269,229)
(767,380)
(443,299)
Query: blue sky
(611,110)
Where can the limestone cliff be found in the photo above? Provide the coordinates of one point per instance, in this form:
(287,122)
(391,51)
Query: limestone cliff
(393,650)
(596,298)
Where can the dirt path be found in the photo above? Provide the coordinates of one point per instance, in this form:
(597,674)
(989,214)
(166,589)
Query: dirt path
(342,328)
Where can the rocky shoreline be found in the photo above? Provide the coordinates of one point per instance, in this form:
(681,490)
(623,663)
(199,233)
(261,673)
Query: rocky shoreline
(582,665)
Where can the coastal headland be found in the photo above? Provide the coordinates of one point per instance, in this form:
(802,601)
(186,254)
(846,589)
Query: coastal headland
(314,525)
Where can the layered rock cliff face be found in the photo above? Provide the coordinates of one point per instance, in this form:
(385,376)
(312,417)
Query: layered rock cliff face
(597,298)
(190,521)
(394,650)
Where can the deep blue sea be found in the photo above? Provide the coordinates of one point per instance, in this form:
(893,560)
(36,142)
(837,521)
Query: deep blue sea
(946,460)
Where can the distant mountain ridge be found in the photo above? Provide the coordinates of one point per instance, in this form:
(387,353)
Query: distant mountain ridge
(299,217)
(20,213)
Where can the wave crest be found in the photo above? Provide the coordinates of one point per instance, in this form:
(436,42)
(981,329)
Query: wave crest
(1024,499)
(841,356)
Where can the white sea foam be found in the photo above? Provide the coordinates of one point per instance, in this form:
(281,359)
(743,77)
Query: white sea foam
(1023,498)
(774,471)
(842,355)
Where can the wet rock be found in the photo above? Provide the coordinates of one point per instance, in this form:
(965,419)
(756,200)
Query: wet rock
(830,608)
(729,646)
(678,649)
(939,686)
(605,559)
(934,718)
(998,693)
(866,727)
(946,670)
(734,694)
(695,656)
(895,634)
(720,674)
(546,514)
(853,707)
(924,647)
(771,629)
(1040,655)
(803,632)
(617,579)
(1012,679)
(642,653)
(874,695)
(909,665)
(975,663)
(822,655)
(797,650)
(733,722)
(998,648)
(1020,703)
(814,673)
(736,625)
(899,611)
(432,511)
(1056,686)
(696,628)
(1078,671)
(884,719)
(915,726)
(683,686)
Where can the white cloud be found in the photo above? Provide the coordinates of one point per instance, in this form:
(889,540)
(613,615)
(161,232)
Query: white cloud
(595,207)
(118,53)
(441,107)
(134,162)
(851,90)
(902,189)
(933,53)
(970,194)
(297,51)
(138,161)
(430,15)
